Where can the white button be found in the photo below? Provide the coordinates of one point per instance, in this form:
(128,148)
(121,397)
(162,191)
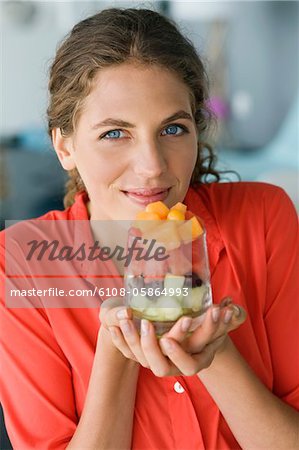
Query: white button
(178,388)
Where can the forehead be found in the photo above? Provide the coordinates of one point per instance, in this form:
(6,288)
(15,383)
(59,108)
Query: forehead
(135,89)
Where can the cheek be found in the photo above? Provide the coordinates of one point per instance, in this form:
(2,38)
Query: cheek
(183,165)
(97,169)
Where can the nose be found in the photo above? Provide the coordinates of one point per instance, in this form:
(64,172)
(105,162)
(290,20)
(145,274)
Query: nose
(150,160)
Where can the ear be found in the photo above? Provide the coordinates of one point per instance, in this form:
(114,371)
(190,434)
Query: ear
(64,149)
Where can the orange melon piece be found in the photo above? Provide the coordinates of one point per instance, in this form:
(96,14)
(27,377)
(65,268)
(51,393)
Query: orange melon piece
(185,232)
(147,215)
(165,233)
(179,207)
(175,214)
(146,221)
(158,208)
(197,229)
(190,230)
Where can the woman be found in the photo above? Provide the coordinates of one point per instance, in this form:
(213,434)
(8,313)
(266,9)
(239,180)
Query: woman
(127,113)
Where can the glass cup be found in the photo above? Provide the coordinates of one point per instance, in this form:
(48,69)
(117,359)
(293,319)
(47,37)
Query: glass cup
(167,275)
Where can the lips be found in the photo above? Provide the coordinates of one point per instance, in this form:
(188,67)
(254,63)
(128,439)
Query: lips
(143,196)
(147,191)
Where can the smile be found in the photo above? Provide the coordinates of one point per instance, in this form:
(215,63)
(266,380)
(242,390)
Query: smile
(145,196)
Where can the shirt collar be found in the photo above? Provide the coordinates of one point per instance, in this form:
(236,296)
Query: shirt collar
(79,209)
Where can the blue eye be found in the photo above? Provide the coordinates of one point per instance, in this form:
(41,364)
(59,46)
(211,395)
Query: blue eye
(174,130)
(170,130)
(112,134)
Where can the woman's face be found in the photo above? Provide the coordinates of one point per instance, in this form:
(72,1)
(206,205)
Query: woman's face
(135,141)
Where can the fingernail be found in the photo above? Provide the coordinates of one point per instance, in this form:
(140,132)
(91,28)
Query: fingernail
(185,325)
(226,301)
(198,321)
(166,344)
(216,314)
(227,316)
(237,310)
(144,327)
(125,326)
(122,314)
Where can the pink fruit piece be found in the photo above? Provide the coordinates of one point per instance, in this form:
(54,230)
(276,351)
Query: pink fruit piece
(199,263)
(154,269)
(136,267)
(178,264)
(187,249)
(135,232)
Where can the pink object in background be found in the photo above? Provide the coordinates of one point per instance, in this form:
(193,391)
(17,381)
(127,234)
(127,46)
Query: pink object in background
(219,107)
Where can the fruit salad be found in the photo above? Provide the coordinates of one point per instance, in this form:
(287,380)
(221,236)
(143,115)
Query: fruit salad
(164,287)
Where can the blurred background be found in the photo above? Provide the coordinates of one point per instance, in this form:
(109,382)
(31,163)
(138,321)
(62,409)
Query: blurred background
(251,50)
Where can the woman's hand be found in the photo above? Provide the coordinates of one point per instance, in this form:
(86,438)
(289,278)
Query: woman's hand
(177,352)
(112,311)
(210,336)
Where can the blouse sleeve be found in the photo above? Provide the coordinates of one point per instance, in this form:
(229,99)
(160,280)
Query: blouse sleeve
(36,389)
(282,303)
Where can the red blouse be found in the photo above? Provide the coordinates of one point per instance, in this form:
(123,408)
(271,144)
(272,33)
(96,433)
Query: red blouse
(47,353)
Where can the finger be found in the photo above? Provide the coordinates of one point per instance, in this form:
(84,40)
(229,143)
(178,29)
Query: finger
(217,321)
(232,316)
(132,341)
(239,316)
(225,302)
(239,313)
(205,332)
(120,343)
(180,329)
(226,315)
(188,364)
(112,310)
(158,363)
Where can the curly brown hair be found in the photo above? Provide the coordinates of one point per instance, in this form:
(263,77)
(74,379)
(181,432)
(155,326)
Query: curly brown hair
(112,37)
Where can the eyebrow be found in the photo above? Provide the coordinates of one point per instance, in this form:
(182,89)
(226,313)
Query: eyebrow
(121,123)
